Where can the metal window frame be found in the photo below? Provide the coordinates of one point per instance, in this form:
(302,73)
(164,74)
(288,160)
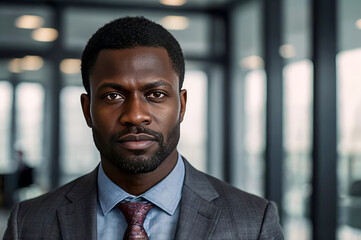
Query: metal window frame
(324,183)
(272,40)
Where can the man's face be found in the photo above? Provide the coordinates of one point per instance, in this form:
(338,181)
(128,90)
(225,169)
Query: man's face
(134,108)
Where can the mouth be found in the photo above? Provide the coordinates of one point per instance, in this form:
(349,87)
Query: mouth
(137,141)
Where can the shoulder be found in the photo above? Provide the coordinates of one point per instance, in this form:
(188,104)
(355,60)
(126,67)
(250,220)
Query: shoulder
(37,217)
(236,199)
(46,205)
(56,197)
(240,212)
(243,205)
(219,191)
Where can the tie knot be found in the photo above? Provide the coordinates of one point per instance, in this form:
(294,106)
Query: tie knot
(134,212)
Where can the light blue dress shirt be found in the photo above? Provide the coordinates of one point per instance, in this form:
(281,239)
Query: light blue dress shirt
(161,221)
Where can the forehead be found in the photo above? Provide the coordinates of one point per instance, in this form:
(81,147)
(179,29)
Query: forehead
(139,59)
(139,63)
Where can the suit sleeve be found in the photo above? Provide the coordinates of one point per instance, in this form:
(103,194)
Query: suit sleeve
(12,228)
(271,228)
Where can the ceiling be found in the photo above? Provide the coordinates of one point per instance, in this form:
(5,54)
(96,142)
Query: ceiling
(81,18)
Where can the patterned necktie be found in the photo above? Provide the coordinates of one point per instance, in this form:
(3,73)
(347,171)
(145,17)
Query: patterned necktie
(135,214)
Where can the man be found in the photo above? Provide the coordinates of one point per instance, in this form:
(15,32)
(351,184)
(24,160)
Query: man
(133,70)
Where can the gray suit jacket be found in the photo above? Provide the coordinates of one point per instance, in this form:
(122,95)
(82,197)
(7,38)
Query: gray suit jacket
(210,209)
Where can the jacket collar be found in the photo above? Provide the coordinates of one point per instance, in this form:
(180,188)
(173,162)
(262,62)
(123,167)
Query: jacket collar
(197,219)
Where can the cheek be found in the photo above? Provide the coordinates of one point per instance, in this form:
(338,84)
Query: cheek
(103,118)
(167,117)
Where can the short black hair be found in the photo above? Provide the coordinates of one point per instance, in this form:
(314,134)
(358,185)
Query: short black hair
(131,32)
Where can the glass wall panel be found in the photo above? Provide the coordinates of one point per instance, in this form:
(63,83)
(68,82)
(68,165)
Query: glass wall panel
(78,152)
(30,122)
(193,140)
(298,101)
(349,147)
(298,149)
(249,98)
(6,92)
(349,117)
(254,134)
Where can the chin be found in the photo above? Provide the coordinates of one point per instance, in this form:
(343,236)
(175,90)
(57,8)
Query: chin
(137,164)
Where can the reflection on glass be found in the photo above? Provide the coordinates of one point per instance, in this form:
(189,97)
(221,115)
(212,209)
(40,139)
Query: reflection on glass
(255,115)
(297,116)
(29,21)
(193,128)
(349,146)
(70,66)
(30,122)
(17,24)
(349,119)
(78,152)
(44,34)
(297,145)
(249,99)
(175,22)
(173,2)
(5,115)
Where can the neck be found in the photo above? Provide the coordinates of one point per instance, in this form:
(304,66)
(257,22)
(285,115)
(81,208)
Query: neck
(137,184)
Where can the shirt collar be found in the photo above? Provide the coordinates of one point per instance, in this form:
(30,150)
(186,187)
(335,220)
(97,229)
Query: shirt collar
(165,195)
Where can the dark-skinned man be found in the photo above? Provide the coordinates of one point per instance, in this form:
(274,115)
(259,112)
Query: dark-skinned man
(133,71)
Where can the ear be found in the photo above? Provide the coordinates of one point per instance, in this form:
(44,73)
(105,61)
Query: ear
(183,102)
(85,104)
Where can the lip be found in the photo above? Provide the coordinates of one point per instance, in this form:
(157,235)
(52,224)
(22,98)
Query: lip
(136,137)
(137,141)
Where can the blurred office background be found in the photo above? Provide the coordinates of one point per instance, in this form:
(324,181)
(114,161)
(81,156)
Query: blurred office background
(274,100)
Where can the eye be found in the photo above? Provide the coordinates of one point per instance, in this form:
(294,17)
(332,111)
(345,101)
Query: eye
(113,96)
(156,95)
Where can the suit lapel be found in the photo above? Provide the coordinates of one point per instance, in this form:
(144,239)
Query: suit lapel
(78,218)
(198,216)
(197,220)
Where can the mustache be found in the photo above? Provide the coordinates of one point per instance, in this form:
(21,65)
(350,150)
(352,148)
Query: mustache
(137,130)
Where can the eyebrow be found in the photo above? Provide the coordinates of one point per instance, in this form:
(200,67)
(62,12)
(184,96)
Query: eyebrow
(159,83)
(111,85)
(147,86)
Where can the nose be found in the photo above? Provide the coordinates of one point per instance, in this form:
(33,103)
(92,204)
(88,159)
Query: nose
(135,112)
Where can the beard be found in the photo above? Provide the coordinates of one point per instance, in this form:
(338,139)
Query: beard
(136,162)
